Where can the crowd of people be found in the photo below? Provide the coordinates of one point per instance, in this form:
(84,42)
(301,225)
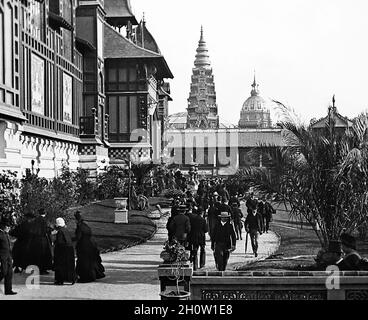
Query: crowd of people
(214,210)
(49,248)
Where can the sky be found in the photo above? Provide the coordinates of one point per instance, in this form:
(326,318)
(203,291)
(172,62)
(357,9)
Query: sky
(303,51)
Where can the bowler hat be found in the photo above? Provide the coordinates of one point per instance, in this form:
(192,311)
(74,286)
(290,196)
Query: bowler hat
(348,240)
(224,214)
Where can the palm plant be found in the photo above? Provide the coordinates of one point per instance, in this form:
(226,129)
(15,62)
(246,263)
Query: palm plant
(321,173)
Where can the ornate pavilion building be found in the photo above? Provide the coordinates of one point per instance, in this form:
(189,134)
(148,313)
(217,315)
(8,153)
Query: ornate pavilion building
(198,136)
(75,89)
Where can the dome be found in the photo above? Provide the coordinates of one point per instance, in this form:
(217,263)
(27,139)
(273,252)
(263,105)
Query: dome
(255,112)
(255,103)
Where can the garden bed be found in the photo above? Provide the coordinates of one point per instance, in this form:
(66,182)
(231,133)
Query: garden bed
(298,248)
(110,236)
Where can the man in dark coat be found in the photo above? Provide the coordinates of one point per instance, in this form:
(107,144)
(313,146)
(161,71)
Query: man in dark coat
(89,264)
(197,238)
(212,214)
(268,212)
(253,225)
(40,243)
(238,215)
(21,246)
(6,268)
(180,227)
(224,241)
(64,259)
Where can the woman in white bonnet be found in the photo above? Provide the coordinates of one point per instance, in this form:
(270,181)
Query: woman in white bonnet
(64,260)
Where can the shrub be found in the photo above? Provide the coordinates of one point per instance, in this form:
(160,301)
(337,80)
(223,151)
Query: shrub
(9,195)
(112,183)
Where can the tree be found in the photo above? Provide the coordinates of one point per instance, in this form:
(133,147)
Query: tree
(321,173)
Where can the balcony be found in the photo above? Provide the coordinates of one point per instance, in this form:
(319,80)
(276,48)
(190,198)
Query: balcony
(91,127)
(88,126)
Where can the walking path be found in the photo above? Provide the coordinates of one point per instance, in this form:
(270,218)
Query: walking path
(131,273)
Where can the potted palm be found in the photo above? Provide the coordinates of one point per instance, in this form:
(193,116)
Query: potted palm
(320,172)
(175,254)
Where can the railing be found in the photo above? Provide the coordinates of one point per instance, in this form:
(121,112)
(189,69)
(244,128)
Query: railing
(91,126)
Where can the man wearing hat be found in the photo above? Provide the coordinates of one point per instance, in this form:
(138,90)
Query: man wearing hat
(224,240)
(253,225)
(352,258)
(6,261)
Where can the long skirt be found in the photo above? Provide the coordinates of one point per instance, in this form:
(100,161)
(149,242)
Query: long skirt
(64,264)
(89,263)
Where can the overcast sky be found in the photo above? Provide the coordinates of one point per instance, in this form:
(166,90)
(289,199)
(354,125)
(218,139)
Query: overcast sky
(303,51)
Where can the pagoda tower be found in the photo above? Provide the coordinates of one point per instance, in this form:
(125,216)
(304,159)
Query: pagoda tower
(202,107)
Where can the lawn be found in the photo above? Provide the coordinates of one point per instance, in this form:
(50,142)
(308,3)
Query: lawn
(298,247)
(110,236)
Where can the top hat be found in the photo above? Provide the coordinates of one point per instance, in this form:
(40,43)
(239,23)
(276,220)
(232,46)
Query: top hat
(224,214)
(348,241)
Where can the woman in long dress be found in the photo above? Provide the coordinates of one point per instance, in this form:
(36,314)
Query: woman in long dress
(89,263)
(64,259)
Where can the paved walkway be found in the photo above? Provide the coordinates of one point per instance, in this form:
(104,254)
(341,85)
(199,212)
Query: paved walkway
(131,273)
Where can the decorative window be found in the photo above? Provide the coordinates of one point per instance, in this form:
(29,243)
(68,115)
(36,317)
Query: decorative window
(252,105)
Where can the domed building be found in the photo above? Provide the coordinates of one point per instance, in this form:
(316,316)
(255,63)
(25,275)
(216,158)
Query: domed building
(255,112)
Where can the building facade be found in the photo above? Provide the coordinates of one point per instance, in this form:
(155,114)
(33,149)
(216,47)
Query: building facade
(74,89)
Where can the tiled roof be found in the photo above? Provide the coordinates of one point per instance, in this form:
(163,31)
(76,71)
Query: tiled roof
(118,12)
(149,41)
(118,47)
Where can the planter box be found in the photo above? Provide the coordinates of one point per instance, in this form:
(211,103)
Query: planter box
(121,216)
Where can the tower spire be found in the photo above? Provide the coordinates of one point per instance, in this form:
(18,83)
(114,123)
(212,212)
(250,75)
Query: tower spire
(202,57)
(254,91)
